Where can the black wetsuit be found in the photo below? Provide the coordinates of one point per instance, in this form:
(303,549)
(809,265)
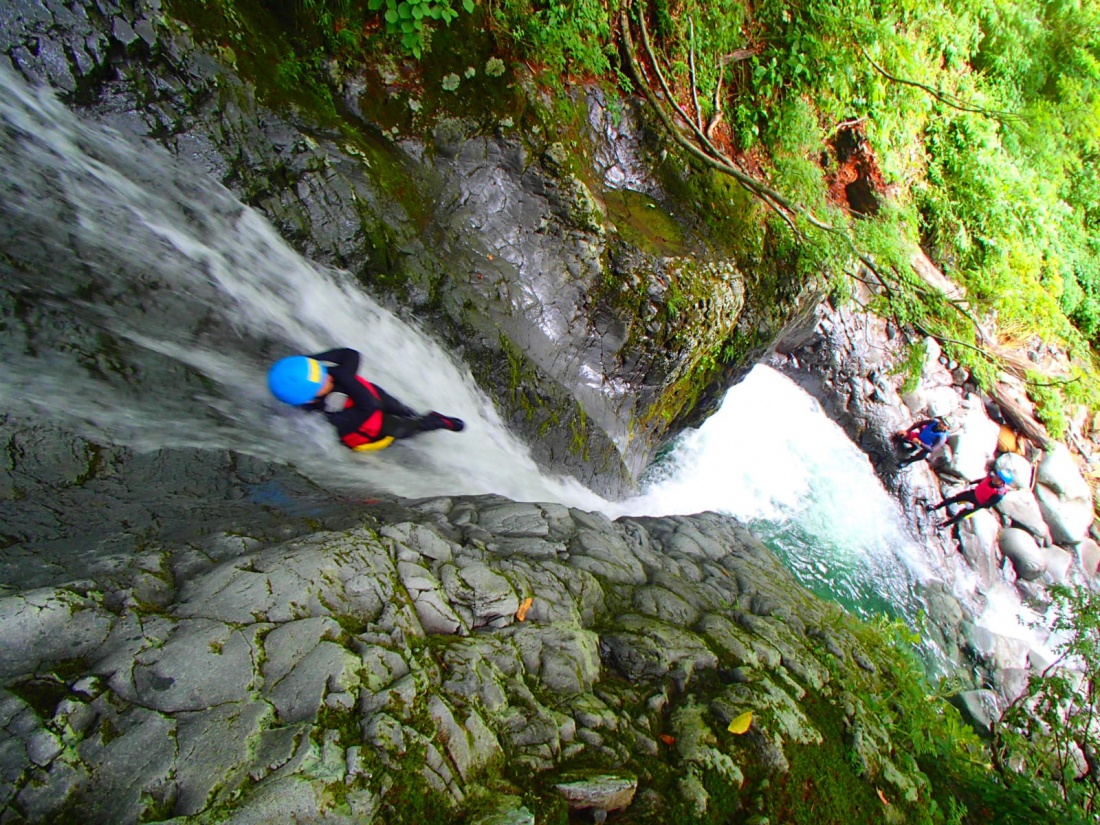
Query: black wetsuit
(370,415)
(986,494)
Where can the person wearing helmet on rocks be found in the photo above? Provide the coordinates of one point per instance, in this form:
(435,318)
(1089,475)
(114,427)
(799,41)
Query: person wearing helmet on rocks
(369,418)
(923,440)
(988,492)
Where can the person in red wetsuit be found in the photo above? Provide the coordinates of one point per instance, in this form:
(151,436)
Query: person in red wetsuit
(988,492)
(369,418)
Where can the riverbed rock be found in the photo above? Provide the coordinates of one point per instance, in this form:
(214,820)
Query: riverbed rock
(304,690)
(1064,497)
(1027,557)
(1088,557)
(1022,508)
(973,446)
(603,793)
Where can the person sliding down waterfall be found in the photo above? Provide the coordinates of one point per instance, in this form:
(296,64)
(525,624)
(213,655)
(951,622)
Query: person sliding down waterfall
(988,493)
(369,419)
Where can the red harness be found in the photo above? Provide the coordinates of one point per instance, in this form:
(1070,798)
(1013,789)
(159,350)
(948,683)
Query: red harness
(371,429)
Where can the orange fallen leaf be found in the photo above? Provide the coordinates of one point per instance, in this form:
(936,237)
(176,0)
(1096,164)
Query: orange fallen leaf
(882,796)
(668,740)
(490,257)
(521,614)
(741,723)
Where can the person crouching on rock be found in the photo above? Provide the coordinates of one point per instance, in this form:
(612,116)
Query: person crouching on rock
(988,492)
(922,440)
(369,419)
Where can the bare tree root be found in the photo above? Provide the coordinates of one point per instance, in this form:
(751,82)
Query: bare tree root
(696,139)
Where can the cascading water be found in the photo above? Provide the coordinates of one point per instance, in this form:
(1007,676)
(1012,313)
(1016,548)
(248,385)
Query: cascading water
(771,457)
(145,303)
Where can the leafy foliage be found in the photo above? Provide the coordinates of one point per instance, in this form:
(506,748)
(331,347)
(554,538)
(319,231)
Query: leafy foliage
(1051,730)
(409,20)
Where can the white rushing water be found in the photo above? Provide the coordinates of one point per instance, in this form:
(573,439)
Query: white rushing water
(149,254)
(773,459)
(122,247)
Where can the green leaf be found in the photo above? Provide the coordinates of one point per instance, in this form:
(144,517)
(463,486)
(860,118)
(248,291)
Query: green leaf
(468,5)
(391,16)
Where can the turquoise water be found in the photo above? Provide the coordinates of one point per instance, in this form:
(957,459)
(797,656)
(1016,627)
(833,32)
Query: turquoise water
(771,458)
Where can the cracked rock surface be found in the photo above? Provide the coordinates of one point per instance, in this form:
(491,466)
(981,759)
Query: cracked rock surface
(323,674)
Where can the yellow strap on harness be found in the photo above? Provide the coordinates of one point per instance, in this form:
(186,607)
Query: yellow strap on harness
(380,444)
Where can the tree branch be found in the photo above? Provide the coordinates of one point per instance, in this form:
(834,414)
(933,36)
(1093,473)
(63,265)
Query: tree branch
(936,93)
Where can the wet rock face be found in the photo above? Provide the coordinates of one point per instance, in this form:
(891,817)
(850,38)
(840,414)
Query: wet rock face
(1036,536)
(579,325)
(312,668)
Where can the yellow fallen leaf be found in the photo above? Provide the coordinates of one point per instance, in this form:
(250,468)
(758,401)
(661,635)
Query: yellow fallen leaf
(741,723)
(882,796)
(521,614)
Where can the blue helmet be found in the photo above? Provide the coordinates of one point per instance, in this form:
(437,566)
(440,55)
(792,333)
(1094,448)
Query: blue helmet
(1005,475)
(297,379)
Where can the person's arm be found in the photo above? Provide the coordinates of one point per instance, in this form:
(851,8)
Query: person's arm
(344,359)
(345,363)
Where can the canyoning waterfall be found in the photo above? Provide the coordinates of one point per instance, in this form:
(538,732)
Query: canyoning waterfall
(146,303)
(772,458)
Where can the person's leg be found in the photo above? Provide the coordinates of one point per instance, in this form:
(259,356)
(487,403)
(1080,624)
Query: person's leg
(438,421)
(967,497)
(391,406)
(958,516)
(400,426)
(964,496)
(912,458)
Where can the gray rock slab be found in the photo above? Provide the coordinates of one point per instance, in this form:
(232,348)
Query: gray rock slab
(606,556)
(287,644)
(299,695)
(605,792)
(647,648)
(469,742)
(420,539)
(1022,507)
(507,811)
(13,762)
(1059,472)
(1027,557)
(47,625)
(1088,557)
(1058,562)
(665,605)
(202,664)
(59,787)
(1069,519)
(981,707)
(486,594)
(284,800)
(974,444)
(128,767)
(381,666)
(565,658)
(515,520)
(214,751)
(232,592)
